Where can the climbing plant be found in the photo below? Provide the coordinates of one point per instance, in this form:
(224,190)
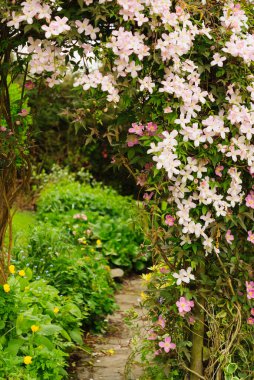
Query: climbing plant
(180,75)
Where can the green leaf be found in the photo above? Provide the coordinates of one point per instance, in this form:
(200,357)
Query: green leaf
(50,329)
(76,336)
(65,335)
(206,353)
(241,222)
(29,274)
(221,314)
(71,308)
(231,368)
(81,3)
(43,341)
(2,325)
(140,265)
(22,324)
(220,73)
(28,28)
(164,205)
(14,346)
(131,154)
(194,248)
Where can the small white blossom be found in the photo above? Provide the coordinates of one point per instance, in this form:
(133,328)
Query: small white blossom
(184,276)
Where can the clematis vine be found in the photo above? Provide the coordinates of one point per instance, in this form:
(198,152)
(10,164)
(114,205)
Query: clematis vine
(184,306)
(182,73)
(167,345)
(184,276)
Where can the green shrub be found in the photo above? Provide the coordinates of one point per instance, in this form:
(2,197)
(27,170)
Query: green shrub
(37,328)
(82,277)
(82,230)
(111,218)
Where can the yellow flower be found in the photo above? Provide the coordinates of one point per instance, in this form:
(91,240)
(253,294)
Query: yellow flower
(154,268)
(82,240)
(35,328)
(110,352)
(27,360)
(98,242)
(56,310)
(147,277)
(144,296)
(165,284)
(6,288)
(22,273)
(12,269)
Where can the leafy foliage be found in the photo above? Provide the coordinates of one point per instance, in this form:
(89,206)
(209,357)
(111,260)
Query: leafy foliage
(80,276)
(37,323)
(111,218)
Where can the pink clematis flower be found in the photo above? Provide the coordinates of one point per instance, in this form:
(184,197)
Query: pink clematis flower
(250,237)
(251,171)
(161,322)
(23,113)
(149,166)
(218,170)
(229,237)
(137,129)
(141,179)
(250,200)
(250,321)
(29,85)
(3,129)
(250,289)
(147,197)
(167,345)
(152,335)
(167,110)
(169,220)
(164,270)
(151,128)
(80,216)
(252,311)
(191,320)
(184,306)
(132,140)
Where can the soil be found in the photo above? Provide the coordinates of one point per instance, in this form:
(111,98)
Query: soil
(112,352)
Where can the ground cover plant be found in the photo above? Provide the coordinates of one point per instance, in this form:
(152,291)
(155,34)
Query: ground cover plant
(179,75)
(82,277)
(23,221)
(38,327)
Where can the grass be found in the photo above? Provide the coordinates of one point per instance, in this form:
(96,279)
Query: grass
(22,223)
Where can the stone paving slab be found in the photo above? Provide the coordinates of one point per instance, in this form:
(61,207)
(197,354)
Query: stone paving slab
(103,365)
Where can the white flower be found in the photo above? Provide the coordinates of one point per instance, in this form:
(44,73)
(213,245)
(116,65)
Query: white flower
(218,60)
(184,276)
(146,84)
(208,244)
(185,239)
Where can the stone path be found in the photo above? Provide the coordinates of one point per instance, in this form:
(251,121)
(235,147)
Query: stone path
(112,350)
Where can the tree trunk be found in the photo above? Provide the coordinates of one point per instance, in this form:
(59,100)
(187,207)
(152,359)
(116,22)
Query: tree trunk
(8,192)
(198,333)
(197,345)
(14,162)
